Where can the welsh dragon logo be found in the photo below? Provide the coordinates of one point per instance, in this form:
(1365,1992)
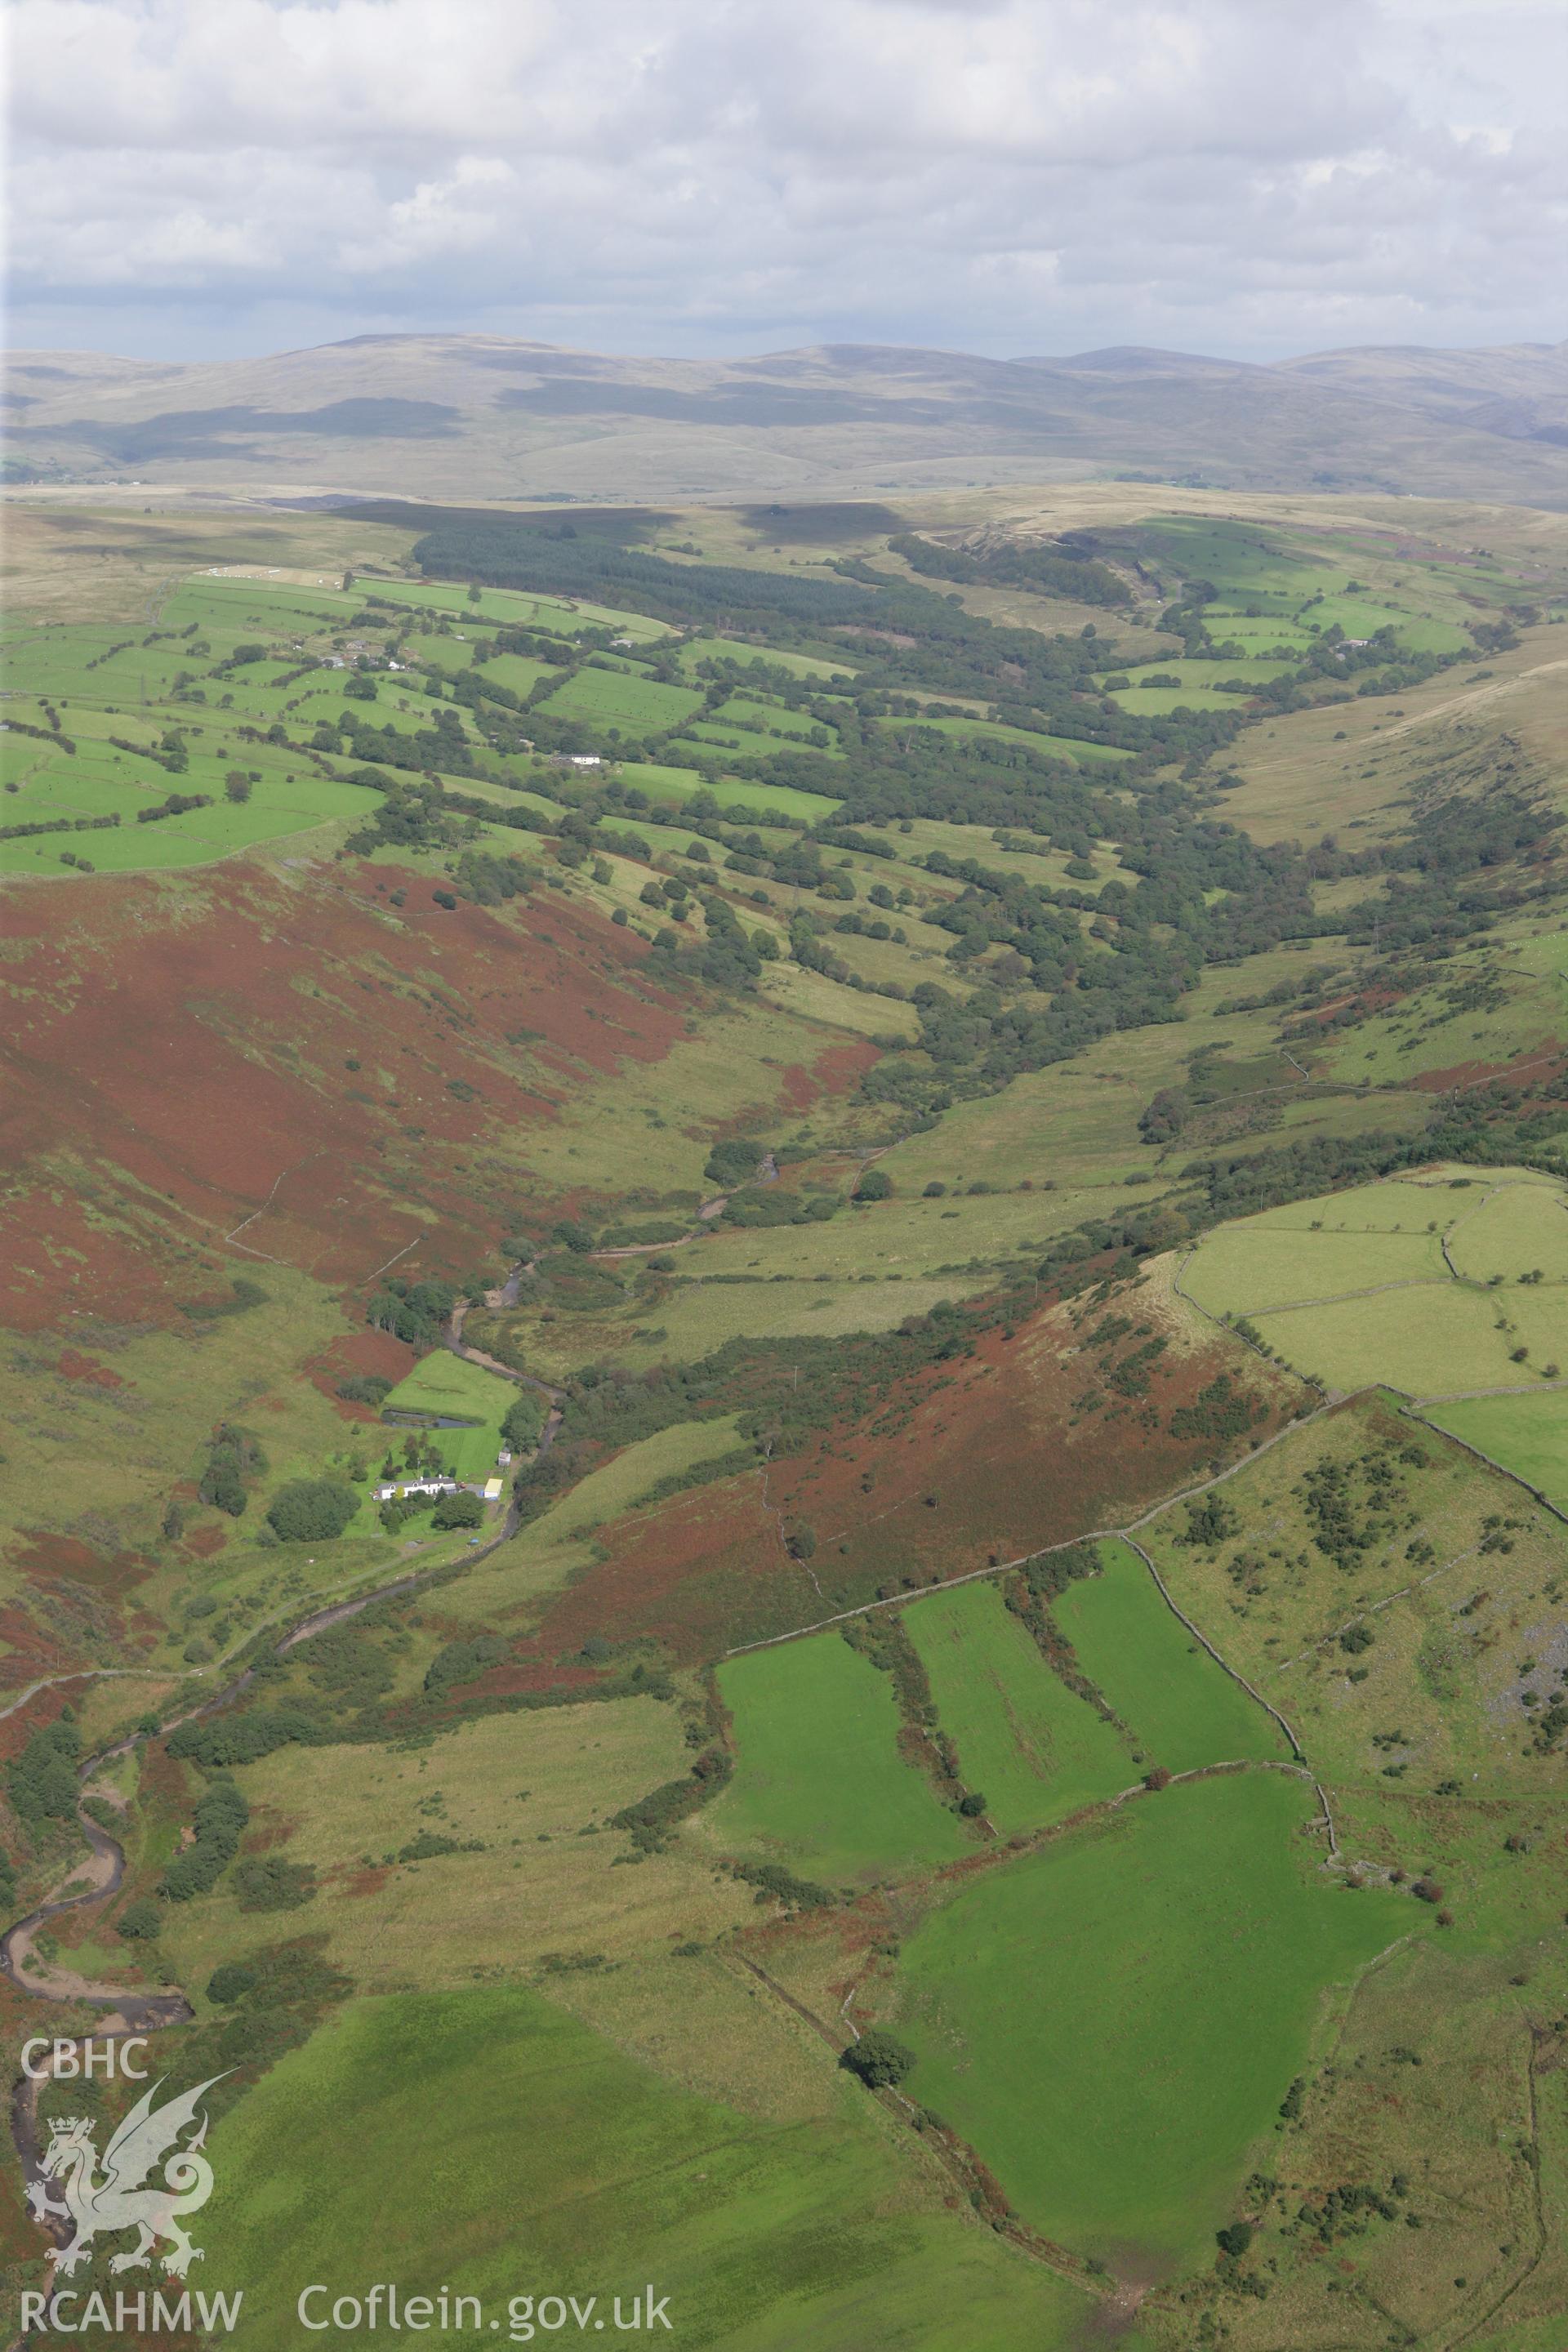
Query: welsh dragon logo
(118,2196)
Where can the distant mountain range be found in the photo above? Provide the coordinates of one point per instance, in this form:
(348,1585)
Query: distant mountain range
(482,416)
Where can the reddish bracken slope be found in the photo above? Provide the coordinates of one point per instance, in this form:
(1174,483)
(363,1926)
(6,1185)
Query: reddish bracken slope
(182,1057)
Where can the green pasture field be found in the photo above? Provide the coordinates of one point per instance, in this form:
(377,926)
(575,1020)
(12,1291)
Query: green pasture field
(1158,701)
(710,735)
(1431,1341)
(1247,1267)
(1518,1229)
(448,1387)
(1403,1337)
(230,611)
(766,718)
(1182,1708)
(1393,1205)
(1112,2022)
(198,836)
(762,2232)
(1035,1749)
(1257,670)
(1247,561)
(1362,616)
(622,1483)
(1042,864)
(819,1783)
(698,1317)
(1257,638)
(661,781)
(95,783)
(1415,1326)
(397,699)
(555,615)
(1049,747)
(80,669)
(1527,1434)
(700,649)
(55,660)
(509,794)
(514,670)
(453,656)
(914,1237)
(609,698)
(1291,580)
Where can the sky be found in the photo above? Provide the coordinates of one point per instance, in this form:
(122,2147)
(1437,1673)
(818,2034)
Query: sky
(210,179)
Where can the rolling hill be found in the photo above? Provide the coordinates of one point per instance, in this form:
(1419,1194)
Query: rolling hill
(478,416)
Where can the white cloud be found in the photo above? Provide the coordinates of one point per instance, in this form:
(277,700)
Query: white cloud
(1004,174)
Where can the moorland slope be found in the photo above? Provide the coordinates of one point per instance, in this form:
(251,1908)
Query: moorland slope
(485,416)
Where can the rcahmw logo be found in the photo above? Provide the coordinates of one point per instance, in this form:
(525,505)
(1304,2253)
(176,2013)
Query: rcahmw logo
(116,2192)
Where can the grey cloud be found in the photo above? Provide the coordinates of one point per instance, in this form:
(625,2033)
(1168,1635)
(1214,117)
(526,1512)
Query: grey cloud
(1024,174)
